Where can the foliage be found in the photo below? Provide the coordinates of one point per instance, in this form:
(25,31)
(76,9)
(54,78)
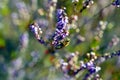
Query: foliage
(77,39)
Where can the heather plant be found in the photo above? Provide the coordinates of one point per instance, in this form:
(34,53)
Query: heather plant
(59,40)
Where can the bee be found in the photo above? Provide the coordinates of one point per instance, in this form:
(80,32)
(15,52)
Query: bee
(63,43)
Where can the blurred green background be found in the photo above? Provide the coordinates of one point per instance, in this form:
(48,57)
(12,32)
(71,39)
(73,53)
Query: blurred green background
(23,58)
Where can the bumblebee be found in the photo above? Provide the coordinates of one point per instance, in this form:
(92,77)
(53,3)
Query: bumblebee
(60,45)
(63,43)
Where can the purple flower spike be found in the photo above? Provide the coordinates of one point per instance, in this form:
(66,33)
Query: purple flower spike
(61,27)
(116,3)
(62,19)
(37,32)
(60,13)
(24,40)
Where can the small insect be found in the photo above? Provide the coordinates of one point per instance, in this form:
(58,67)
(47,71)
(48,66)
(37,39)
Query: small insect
(63,43)
(116,3)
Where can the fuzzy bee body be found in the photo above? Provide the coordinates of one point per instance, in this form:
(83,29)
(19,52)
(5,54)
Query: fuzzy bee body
(63,43)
